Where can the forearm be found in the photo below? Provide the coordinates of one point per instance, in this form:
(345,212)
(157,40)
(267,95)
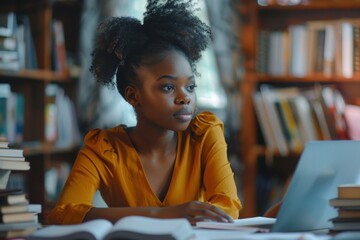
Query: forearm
(115,213)
(192,211)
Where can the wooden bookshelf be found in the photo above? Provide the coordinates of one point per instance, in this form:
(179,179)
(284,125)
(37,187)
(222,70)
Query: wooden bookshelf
(32,84)
(275,17)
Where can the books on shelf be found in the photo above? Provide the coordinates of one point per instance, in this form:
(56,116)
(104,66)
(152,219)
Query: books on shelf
(9,55)
(326,47)
(289,117)
(59,50)
(17,49)
(132,227)
(61,127)
(352,118)
(11,114)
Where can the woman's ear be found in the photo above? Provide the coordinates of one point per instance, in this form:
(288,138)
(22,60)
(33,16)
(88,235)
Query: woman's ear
(131,95)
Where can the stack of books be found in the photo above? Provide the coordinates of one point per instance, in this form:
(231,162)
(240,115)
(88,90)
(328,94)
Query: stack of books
(17,216)
(10,159)
(347,204)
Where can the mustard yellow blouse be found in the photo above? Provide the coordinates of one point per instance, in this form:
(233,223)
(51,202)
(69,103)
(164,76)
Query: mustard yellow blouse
(109,162)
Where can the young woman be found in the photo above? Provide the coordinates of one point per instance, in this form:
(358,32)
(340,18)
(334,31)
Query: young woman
(173,163)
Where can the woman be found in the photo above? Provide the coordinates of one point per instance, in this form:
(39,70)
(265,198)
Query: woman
(173,163)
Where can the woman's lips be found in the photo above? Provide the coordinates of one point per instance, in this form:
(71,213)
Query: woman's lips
(183,115)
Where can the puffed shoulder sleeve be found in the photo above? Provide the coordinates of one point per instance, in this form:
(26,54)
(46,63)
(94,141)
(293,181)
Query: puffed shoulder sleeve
(203,121)
(92,169)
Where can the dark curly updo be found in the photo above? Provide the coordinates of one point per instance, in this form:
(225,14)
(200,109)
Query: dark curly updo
(124,43)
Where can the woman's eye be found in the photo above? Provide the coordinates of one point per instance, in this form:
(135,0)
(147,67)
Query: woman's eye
(191,87)
(167,88)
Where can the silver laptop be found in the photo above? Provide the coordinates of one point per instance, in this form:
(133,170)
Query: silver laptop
(323,166)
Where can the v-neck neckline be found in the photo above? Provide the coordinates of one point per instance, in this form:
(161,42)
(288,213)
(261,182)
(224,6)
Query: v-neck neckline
(141,169)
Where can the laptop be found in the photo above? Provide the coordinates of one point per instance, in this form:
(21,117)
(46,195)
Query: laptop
(323,166)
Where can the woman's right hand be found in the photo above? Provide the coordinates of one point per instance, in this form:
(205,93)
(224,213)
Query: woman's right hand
(194,211)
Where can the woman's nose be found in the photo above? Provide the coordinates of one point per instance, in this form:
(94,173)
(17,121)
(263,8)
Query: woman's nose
(183,99)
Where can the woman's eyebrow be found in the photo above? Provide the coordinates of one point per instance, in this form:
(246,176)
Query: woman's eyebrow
(171,77)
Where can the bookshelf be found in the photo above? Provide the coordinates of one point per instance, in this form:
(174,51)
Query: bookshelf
(257,19)
(32,82)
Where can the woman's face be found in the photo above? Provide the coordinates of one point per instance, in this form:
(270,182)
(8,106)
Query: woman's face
(166,94)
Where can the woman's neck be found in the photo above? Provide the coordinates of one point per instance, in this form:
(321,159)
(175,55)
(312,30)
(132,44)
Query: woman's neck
(153,141)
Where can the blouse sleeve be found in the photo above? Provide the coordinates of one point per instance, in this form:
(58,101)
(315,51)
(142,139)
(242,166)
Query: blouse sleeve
(92,170)
(220,187)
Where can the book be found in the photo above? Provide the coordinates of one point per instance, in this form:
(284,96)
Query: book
(345,225)
(352,117)
(2,158)
(349,191)
(15,119)
(59,47)
(266,129)
(14,165)
(299,43)
(5,91)
(131,227)
(11,152)
(15,196)
(269,98)
(8,43)
(4,178)
(18,229)
(18,226)
(7,24)
(343,202)
(18,208)
(4,144)
(18,217)
(258,222)
(10,234)
(342,213)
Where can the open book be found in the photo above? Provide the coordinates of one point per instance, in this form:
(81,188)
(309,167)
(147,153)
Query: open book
(132,227)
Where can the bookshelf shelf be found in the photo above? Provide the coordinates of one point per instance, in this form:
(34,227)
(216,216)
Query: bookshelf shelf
(257,21)
(37,148)
(37,75)
(313,5)
(312,79)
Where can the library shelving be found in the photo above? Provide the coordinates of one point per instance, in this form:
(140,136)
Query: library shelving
(289,61)
(32,80)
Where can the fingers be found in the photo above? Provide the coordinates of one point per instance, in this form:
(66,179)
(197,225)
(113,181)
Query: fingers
(199,211)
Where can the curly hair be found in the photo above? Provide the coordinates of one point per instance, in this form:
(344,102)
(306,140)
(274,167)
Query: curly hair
(123,43)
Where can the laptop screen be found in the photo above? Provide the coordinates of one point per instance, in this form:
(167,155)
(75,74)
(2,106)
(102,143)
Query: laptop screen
(323,166)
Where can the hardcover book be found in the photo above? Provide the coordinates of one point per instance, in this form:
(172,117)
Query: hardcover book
(132,227)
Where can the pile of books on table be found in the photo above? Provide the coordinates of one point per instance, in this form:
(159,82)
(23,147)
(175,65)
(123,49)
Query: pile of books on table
(347,204)
(17,216)
(10,159)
